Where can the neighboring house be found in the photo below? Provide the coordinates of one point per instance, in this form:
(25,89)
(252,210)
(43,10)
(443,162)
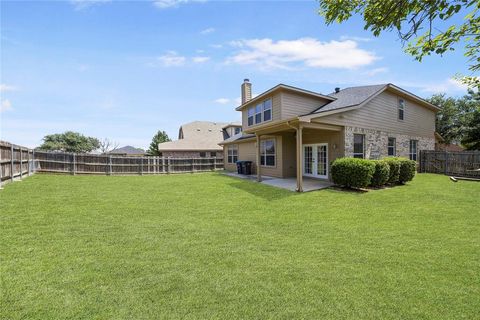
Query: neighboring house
(127,151)
(196,139)
(292,132)
(440,145)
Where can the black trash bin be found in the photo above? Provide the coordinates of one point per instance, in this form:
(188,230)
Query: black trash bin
(240,167)
(247,166)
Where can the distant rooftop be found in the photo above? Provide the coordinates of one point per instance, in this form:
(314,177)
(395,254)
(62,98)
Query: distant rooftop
(128,150)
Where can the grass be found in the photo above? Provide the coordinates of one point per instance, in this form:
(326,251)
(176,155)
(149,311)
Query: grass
(207,246)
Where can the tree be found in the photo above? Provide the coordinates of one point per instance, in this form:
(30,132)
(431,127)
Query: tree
(107,145)
(159,137)
(421,23)
(69,141)
(455,115)
(471,139)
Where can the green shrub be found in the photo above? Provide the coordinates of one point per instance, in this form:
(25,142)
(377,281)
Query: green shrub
(394,165)
(407,170)
(382,173)
(352,172)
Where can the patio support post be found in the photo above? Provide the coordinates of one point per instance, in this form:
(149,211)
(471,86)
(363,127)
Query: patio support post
(259,174)
(299,160)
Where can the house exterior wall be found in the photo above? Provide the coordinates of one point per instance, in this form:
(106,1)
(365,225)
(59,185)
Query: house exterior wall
(295,104)
(381,114)
(376,143)
(190,154)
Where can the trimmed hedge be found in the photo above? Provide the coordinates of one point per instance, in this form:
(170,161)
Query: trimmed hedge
(352,172)
(382,173)
(407,170)
(394,164)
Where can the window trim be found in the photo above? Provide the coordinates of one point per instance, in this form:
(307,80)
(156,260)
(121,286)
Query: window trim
(233,149)
(401,107)
(264,109)
(260,112)
(410,153)
(264,154)
(394,147)
(363,145)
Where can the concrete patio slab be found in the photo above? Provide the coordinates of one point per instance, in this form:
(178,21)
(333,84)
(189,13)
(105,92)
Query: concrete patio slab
(309,184)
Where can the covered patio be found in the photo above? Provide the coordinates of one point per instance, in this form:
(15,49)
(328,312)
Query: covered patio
(307,148)
(309,184)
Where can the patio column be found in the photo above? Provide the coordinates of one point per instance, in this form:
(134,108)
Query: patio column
(259,174)
(299,160)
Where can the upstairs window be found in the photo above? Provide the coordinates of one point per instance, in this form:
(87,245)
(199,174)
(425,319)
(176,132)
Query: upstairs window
(213,154)
(260,113)
(392,147)
(251,113)
(267,153)
(203,154)
(358,146)
(413,150)
(401,109)
(232,154)
(267,110)
(238,130)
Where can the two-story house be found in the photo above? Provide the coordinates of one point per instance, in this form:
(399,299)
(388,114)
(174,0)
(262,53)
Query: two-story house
(292,132)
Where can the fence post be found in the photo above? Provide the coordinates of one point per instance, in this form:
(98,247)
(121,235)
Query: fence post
(446,162)
(21,164)
(74,164)
(214,163)
(33,160)
(168,165)
(163,165)
(28,162)
(11,162)
(1,167)
(109,165)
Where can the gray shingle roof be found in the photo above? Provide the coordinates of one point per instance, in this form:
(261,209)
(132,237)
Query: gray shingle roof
(127,150)
(238,137)
(350,97)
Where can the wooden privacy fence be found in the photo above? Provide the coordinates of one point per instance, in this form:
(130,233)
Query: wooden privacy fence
(74,163)
(15,162)
(462,163)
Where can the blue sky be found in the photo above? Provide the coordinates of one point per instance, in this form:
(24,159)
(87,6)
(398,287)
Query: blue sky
(122,70)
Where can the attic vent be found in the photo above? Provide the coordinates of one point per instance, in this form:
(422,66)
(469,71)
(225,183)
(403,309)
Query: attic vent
(337,90)
(198,129)
(210,130)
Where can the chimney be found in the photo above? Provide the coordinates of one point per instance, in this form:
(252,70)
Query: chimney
(337,90)
(246,91)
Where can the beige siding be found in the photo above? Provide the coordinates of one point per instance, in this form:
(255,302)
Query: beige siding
(294,104)
(289,155)
(275,111)
(247,151)
(381,114)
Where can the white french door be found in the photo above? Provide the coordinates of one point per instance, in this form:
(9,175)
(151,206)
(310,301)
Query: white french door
(315,160)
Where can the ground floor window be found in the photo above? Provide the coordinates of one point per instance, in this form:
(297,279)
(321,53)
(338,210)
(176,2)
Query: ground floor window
(232,153)
(413,150)
(267,153)
(359,146)
(392,147)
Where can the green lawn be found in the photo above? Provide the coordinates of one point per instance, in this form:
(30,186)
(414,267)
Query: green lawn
(207,246)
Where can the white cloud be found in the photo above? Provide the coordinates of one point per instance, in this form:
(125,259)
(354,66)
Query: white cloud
(376,71)
(222,100)
(5,87)
(5,105)
(216,46)
(165,4)
(285,54)
(200,59)
(448,85)
(207,31)
(171,59)
(359,39)
(84,4)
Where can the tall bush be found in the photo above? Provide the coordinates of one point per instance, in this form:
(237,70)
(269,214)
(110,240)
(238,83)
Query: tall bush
(407,170)
(382,173)
(394,165)
(352,172)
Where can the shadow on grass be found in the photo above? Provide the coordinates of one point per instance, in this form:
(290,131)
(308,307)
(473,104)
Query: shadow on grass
(257,189)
